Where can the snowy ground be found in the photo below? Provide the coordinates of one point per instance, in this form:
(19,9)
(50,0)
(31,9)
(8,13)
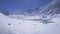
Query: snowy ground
(12,26)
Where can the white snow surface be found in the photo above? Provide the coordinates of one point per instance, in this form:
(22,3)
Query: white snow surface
(27,26)
(20,24)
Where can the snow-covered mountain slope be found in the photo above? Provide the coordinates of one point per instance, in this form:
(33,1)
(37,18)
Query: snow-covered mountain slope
(52,8)
(13,26)
(6,23)
(30,22)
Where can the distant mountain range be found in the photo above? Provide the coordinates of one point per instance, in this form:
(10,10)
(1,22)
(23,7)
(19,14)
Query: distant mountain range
(44,14)
(52,8)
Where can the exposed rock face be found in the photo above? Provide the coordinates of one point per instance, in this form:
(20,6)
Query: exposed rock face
(52,8)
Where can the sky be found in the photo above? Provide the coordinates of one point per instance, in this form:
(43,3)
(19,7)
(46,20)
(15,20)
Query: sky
(21,4)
